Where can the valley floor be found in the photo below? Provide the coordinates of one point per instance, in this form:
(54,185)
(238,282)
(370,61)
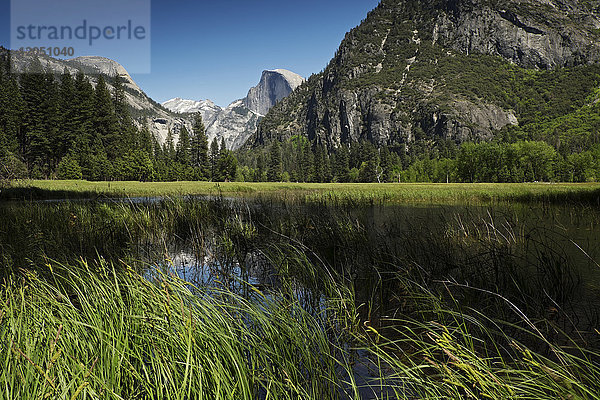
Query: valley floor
(321,192)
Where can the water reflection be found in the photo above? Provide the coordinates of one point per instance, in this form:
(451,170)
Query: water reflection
(544,259)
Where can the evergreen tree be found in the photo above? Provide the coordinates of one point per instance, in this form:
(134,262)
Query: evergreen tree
(199,148)
(261,169)
(299,167)
(309,163)
(52,122)
(322,168)
(12,110)
(342,164)
(105,120)
(34,144)
(169,148)
(370,163)
(83,118)
(128,134)
(68,116)
(227,164)
(214,159)
(69,168)
(148,141)
(183,151)
(274,172)
(385,164)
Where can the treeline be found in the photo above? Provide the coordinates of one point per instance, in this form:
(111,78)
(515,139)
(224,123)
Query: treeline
(63,127)
(523,161)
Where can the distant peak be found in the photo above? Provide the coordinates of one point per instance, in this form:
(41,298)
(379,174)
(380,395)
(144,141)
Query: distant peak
(282,71)
(274,85)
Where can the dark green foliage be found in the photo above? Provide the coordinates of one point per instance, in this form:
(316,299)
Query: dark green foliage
(214,159)
(183,153)
(199,148)
(105,120)
(69,168)
(274,173)
(62,126)
(226,166)
(501,162)
(11,166)
(134,166)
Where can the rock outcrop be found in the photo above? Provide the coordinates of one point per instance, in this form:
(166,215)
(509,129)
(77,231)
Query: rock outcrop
(239,120)
(274,86)
(433,69)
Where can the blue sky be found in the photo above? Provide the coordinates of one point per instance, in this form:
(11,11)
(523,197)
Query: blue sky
(218,49)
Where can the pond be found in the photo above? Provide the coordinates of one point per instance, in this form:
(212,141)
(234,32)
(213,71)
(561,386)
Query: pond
(504,261)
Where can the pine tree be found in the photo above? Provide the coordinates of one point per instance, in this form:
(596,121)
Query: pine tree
(105,120)
(385,164)
(299,167)
(274,172)
(322,169)
(169,148)
(368,168)
(214,159)
(128,133)
(83,117)
(52,122)
(34,144)
(68,109)
(69,168)
(309,163)
(148,141)
(261,173)
(183,151)
(226,165)
(12,109)
(342,165)
(199,149)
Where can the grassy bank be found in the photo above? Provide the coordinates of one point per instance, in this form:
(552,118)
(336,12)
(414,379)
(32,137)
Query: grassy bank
(328,192)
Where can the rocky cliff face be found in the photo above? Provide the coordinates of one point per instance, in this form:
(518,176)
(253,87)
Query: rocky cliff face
(436,69)
(234,123)
(239,120)
(273,87)
(533,34)
(206,108)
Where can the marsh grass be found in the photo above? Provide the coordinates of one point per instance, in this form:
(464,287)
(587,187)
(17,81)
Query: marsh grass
(329,193)
(410,302)
(444,350)
(103,334)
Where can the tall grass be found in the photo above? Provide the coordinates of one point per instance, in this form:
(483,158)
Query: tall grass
(109,335)
(452,352)
(345,302)
(330,193)
(105,334)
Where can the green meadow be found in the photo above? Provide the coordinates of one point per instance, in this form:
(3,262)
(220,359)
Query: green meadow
(385,192)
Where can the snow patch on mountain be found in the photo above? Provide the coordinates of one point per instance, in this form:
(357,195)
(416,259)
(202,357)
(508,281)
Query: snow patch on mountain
(239,120)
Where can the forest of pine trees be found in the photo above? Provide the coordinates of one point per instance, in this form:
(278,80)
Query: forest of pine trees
(62,127)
